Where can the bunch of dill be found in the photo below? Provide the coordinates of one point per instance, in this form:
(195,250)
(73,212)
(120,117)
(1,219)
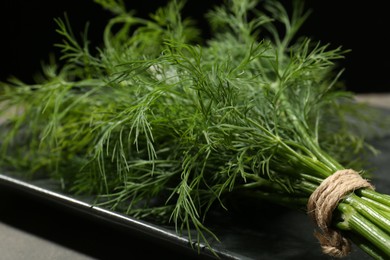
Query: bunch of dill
(161,126)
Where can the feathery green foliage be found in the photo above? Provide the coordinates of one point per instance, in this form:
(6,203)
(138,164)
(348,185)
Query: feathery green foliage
(160,127)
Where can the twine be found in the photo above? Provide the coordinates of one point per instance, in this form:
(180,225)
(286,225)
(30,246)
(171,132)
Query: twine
(322,203)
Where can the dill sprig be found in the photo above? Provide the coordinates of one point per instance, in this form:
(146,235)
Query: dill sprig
(159,126)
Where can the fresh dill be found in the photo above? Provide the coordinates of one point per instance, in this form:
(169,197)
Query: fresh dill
(159,126)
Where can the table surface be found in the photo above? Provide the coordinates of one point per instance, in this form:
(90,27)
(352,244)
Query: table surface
(18,244)
(29,229)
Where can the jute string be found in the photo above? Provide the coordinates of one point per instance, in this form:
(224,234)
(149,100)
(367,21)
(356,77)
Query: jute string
(322,203)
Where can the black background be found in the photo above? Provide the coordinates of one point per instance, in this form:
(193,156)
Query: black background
(27,32)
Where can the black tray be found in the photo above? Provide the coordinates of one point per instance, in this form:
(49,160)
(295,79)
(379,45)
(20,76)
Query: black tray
(264,231)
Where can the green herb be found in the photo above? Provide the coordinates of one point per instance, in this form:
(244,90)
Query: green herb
(161,126)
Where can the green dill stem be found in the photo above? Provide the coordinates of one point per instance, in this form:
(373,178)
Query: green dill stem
(371,194)
(364,209)
(366,246)
(385,209)
(314,164)
(359,224)
(331,164)
(259,182)
(307,187)
(119,19)
(312,179)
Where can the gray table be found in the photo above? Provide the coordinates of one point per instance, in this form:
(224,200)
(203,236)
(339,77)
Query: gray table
(18,244)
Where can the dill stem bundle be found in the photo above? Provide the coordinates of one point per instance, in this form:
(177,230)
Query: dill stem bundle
(163,125)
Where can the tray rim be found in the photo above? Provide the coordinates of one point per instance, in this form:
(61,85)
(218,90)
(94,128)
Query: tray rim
(152,231)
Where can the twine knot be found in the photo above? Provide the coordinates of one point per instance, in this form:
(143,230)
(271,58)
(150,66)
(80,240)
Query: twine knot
(322,203)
